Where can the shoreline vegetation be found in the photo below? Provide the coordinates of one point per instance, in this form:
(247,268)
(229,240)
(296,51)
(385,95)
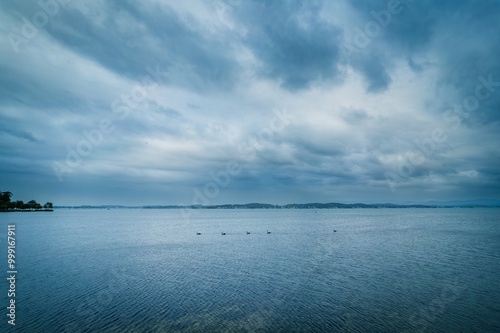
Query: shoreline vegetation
(25,210)
(6,205)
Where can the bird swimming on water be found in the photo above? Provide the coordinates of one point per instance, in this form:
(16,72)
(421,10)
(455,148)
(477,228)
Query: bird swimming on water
(248,232)
(268,232)
(223,233)
(198,233)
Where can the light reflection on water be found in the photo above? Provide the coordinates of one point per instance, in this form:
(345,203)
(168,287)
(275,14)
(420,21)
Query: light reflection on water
(385,270)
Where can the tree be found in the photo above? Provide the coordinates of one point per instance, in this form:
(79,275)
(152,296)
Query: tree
(32,204)
(19,204)
(6,204)
(5,197)
(5,200)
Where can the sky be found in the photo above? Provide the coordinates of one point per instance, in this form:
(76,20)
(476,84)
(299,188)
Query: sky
(236,101)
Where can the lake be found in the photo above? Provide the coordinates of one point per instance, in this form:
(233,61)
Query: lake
(141,270)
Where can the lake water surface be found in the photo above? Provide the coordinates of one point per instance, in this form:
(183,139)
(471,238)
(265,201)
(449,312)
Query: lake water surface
(135,270)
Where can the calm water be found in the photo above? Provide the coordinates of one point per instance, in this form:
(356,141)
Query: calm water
(387,270)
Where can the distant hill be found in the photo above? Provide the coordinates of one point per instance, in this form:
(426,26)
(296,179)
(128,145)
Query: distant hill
(466,203)
(314,205)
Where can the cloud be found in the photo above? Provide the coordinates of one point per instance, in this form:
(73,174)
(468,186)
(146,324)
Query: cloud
(292,45)
(19,134)
(377,78)
(226,68)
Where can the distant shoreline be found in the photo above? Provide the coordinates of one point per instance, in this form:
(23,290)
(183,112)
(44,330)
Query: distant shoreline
(288,206)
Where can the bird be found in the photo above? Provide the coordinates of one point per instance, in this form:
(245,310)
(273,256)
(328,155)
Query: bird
(334,230)
(268,232)
(198,233)
(248,232)
(223,233)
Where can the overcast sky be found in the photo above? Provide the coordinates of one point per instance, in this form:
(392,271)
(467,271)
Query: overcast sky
(236,101)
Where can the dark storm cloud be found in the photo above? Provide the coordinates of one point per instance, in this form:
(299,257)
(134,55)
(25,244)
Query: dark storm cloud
(463,34)
(126,37)
(225,67)
(411,25)
(414,66)
(18,133)
(294,45)
(373,69)
(26,89)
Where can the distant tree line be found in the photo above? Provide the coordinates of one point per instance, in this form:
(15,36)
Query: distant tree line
(7,204)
